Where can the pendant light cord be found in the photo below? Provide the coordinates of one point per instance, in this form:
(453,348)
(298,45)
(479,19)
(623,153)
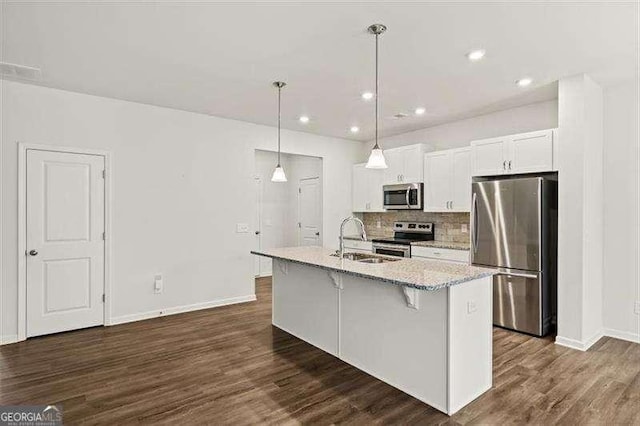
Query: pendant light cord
(279,91)
(376,145)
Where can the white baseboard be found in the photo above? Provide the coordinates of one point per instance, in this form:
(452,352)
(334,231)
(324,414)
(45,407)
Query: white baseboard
(622,335)
(181,309)
(8,339)
(608,332)
(579,344)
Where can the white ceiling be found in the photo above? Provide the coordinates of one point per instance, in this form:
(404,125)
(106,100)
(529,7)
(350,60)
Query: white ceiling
(220,58)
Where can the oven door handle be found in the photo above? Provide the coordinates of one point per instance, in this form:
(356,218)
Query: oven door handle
(406,250)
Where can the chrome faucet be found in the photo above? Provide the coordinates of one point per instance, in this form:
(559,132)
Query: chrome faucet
(344,222)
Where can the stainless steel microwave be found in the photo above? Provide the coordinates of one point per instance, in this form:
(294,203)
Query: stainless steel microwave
(404,196)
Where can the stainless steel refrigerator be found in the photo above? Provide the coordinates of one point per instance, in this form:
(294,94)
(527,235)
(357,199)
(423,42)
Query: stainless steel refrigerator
(514,228)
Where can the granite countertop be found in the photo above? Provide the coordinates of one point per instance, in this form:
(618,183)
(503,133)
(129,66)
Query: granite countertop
(443,244)
(419,274)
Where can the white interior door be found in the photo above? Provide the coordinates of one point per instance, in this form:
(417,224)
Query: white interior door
(65,245)
(310,212)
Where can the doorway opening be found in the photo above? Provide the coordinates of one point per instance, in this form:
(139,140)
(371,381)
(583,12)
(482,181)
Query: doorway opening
(288,213)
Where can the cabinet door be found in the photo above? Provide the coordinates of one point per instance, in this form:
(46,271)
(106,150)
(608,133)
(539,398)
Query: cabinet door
(412,170)
(437,181)
(531,152)
(375,181)
(489,156)
(461,180)
(395,161)
(360,189)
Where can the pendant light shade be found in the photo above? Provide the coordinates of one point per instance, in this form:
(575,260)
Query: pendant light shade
(376,159)
(278,173)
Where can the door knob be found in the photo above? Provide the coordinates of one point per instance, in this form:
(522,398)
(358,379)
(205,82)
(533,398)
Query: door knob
(257,232)
(33,253)
(317,233)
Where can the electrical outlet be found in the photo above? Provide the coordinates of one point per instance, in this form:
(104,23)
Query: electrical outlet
(464,228)
(158,284)
(471,307)
(636,307)
(378,224)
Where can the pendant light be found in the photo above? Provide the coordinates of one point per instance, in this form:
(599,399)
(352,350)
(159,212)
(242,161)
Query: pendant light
(376,158)
(278,173)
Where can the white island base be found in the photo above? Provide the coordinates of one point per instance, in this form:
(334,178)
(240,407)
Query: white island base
(435,345)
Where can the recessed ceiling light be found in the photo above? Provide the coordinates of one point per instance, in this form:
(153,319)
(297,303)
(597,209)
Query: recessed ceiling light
(367,96)
(354,129)
(419,111)
(475,55)
(524,82)
(304,119)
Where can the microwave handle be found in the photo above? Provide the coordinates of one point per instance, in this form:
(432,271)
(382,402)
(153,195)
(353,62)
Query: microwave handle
(406,196)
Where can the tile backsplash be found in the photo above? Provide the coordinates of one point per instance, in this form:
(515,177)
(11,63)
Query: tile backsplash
(448,226)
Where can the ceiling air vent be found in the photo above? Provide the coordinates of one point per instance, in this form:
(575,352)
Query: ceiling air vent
(399,116)
(20,72)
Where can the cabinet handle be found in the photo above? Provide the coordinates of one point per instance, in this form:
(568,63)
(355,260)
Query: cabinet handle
(509,164)
(451,205)
(504,165)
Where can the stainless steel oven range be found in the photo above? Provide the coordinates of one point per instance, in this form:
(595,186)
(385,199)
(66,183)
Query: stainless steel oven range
(404,233)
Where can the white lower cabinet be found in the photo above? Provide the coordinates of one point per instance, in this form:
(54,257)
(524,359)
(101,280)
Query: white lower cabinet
(434,253)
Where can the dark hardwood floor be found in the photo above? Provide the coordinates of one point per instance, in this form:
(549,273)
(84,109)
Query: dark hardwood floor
(230,366)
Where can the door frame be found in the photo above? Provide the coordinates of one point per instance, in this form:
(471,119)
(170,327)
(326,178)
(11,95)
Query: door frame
(22,227)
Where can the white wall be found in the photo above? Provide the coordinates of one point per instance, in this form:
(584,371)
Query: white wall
(181,181)
(580,212)
(621,212)
(541,115)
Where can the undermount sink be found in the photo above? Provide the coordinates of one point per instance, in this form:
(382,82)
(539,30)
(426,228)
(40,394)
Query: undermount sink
(367,258)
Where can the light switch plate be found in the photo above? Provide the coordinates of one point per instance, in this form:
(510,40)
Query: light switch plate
(464,228)
(242,228)
(471,307)
(158,284)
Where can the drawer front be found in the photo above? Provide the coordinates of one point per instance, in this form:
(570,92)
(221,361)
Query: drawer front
(441,254)
(358,245)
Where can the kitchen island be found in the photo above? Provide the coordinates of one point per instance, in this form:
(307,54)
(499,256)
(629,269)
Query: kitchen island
(424,327)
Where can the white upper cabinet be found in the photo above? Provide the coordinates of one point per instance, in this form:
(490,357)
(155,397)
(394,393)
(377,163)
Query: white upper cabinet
(437,181)
(522,153)
(405,164)
(367,189)
(531,152)
(447,181)
(461,183)
(489,156)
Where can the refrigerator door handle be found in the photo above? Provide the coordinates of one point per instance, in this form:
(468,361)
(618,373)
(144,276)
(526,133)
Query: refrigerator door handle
(519,275)
(474,222)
